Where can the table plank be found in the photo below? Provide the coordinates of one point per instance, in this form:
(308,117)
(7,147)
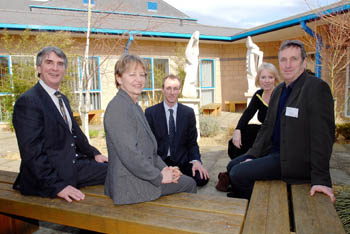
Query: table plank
(202,202)
(99,214)
(268,209)
(314,215)
(8,176)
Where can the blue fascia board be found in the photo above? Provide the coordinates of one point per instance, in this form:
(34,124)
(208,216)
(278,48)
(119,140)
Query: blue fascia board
(110,31)
(290,23)
(178,35)
(110,12)
(60,28)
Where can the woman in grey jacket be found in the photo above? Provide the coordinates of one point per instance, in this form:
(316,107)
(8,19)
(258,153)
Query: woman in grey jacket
(135,172)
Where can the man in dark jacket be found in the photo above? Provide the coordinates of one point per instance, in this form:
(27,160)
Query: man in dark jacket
(177,147)
(57,158)
(296,139)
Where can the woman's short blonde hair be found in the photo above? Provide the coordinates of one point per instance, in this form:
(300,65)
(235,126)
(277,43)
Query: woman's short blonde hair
(124,63)
(270,68)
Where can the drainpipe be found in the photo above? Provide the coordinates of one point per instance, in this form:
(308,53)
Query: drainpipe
(131,38)
(318,47)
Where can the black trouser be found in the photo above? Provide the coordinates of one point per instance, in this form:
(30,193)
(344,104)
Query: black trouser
(243,174)
(186,169)
(90,172)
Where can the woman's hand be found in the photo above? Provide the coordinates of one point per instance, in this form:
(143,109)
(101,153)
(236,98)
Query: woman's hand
(176,174)
(167,175)
(236,138)
(170,175)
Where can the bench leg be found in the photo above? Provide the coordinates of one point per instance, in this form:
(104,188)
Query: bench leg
(17,225)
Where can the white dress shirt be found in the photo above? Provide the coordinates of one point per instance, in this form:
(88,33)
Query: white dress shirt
(51,93)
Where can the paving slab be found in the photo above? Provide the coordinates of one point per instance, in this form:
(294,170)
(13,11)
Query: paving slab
(214,158)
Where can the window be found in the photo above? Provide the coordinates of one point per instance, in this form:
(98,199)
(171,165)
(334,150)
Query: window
(75,74)
(86,2)
(207,81)
(22,67)
(157,69)
(17,74)
(4,72)
(4,81)
(152,6)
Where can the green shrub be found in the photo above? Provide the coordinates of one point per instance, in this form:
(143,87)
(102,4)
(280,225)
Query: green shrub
(342,205)
(209,126)
(93,133)
(344,130)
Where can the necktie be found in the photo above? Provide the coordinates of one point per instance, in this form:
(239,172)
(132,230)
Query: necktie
(58,94)
(172,132)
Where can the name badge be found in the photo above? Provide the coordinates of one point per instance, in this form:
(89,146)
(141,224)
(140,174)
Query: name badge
(292,112)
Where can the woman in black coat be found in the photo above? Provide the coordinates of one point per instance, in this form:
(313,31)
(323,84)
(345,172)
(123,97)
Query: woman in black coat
(244,135)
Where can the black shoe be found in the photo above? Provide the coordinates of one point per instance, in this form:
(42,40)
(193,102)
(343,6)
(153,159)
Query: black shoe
(229,188)
(232,194)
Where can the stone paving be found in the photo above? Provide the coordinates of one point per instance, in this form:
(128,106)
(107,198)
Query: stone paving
(214,158)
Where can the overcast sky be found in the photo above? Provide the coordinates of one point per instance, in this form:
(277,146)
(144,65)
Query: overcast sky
(244,13)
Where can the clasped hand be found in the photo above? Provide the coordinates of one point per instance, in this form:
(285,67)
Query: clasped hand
(170,175)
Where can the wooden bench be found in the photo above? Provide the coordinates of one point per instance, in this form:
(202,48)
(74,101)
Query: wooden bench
(235,106)
(213,109)
(95,116)
(178,213)
(277,208)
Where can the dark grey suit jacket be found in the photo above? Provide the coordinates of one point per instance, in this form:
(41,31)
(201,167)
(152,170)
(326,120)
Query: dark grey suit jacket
(134,170)
(306,140)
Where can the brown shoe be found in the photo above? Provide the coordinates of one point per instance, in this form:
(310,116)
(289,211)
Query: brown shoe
(223,182)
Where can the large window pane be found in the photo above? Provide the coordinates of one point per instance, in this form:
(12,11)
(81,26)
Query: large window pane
(207,84)
(207,74)
(157,69)
(145,99)
(4,74)
(5,86)
(94,73)
(74,75)
(148,64)
(161,69)
(207,96)
(4,114)
(23,67)
(95,100)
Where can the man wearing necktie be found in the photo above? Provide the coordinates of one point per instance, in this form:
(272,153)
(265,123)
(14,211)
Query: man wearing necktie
(174,126)
(57,158)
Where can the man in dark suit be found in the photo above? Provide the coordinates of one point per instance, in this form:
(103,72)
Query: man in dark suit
(177,147)
(57,158)
(296,139)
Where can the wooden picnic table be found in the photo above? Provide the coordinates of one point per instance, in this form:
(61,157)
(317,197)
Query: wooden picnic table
(178,213)
(276,207)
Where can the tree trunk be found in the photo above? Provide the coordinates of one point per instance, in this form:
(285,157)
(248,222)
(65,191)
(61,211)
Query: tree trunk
(85,82)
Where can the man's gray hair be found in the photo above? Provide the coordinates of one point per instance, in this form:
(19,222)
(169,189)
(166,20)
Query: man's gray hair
(48,50)
(293,43)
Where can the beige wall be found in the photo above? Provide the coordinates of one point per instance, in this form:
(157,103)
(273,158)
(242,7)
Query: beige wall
(230,63)
(233,69)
